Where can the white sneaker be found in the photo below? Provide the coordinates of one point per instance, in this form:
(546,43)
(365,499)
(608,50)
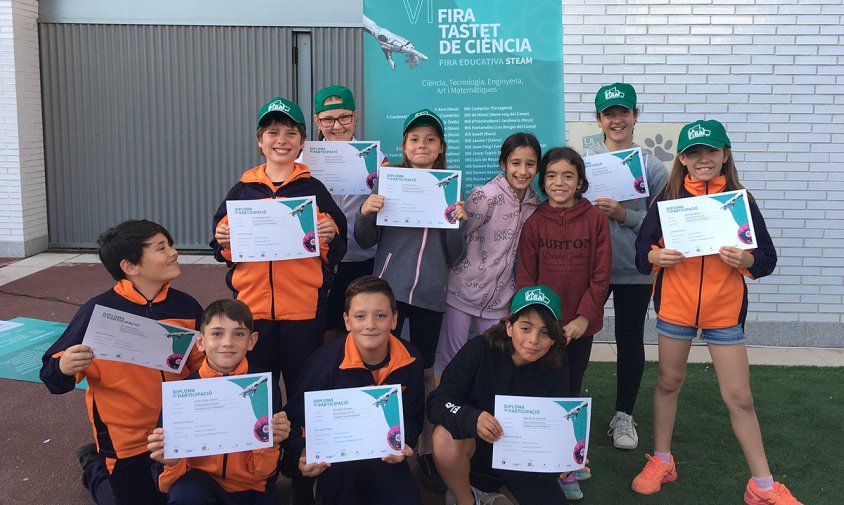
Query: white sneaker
(623,431)
(481,498)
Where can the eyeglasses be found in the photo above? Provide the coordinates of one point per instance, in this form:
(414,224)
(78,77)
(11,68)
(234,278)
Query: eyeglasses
(328,122)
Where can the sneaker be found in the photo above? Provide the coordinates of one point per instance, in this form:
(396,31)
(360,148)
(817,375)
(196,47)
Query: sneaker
(481,498)
(583,474)
(430,477)
(87,454)
(654,475)
(780,495)
(623,431)
(570,487)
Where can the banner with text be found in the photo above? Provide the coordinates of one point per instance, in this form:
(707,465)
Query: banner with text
(488,68)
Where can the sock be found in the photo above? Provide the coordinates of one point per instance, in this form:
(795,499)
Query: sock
(764,483)
(665,457)
(570,478)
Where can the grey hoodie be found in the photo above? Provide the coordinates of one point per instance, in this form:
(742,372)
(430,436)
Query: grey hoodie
(623,235)
(415,261)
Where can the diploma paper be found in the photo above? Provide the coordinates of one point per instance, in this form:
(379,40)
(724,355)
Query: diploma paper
(619,175)
(541,434)
(216,416)
(346,168)
(273,229)
(120,336)
(418,198)
(701,225)
(353,424)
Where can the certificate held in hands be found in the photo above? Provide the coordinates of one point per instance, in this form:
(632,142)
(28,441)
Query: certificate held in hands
(273,229)
(120,336)
(353,424)
(216,416)
(418,198)
(701,225)
(346,168)
(542,434)
(619,175)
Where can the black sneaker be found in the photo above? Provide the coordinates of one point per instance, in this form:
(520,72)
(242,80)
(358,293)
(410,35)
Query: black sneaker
(86,454)
(430,476)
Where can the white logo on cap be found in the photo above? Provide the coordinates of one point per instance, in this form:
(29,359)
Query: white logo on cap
(698,131)
(278,105)
(536,295)
(613,93)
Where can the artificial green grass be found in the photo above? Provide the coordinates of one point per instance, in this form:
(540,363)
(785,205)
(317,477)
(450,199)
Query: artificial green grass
(800,410)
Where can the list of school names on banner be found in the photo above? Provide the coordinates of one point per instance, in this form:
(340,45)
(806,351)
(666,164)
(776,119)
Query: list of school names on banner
(488,69)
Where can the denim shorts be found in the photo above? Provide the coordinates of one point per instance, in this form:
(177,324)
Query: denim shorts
(724,336)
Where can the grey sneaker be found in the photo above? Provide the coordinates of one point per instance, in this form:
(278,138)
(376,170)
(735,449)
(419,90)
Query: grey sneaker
(623,431)
(481,498)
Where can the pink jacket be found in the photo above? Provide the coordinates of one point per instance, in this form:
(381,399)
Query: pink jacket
(482,283)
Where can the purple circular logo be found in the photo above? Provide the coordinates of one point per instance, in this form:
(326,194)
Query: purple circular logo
(394,437)
(580,452)
(370,180)
(744,234)
(309,242)
(174,360)
(639,185)
(449,213)
(261,430)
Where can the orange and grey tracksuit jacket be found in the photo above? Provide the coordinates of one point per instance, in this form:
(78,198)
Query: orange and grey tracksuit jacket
(124,400)
(234,472)
(290,289)
(703,291)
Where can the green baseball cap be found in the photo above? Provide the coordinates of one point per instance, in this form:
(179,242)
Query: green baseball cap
(536,295)
(617,93)
(347,101)
(709,133)
(424,117)
(286,107)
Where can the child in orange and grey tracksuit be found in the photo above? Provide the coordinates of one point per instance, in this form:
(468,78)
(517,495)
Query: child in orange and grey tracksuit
(706,295)
(124,400)
(287,298)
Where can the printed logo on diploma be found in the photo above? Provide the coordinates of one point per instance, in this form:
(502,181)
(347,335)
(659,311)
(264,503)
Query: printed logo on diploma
(418,198)
(121,336)
(542,434)
(354,423)
(619,175)
(219,415)
(346,168)
(701,225)
(273,229)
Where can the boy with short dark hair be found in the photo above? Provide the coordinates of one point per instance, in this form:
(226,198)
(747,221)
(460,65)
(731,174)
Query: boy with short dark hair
(124,400)
(287,298)
(369,355)
(232,478)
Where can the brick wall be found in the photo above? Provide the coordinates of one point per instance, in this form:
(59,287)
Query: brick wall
(23,194)
(773,73)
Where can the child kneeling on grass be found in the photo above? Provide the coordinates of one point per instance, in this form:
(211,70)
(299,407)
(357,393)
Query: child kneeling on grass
(523,355)
(232,478)
(369,356)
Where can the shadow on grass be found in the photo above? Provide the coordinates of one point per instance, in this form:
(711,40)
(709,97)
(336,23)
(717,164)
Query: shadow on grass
(800,410)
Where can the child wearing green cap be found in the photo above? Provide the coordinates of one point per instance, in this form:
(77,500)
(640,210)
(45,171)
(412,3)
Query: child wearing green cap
(616,113)
(287,298)
(336,118)
(705,293)
(416,261)
(523,355)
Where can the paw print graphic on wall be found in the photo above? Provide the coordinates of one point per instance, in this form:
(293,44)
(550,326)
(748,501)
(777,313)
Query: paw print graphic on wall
(657,148)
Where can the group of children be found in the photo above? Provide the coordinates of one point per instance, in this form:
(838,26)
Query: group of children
(530,277)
